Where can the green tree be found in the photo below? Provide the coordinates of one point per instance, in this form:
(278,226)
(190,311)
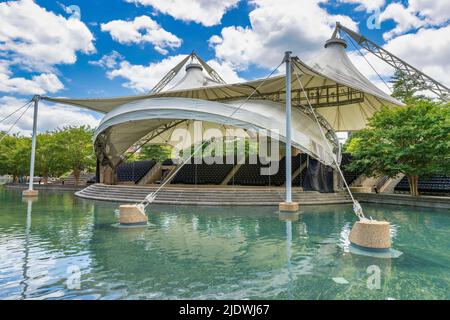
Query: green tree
(49,156)
(77,154)
(413,140)
(157,152)
(405,88)
(15,155)
(228,148)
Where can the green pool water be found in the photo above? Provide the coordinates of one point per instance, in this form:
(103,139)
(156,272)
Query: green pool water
(62,247)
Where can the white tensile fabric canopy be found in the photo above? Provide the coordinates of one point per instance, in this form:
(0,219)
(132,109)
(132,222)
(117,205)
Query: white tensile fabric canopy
(131,122)
(339,93)
(345,98)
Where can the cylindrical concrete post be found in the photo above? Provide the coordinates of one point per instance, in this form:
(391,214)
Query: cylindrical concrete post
(30,192)
(288,205)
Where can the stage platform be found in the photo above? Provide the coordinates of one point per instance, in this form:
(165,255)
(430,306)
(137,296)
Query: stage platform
(209,195)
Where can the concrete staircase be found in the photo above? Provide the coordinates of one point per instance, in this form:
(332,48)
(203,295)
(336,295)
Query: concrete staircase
(84,177)
(152,175)
(212,195)
(389,186)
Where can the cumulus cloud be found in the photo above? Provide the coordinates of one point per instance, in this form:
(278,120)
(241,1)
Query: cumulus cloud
(415,14)
(39,84)
(225,70)
(142,78)
(205,12)
(4,67)
(277,26)
(365,4)
(50,117)
(428,50)
(405,19)
(37,39)
(140,30)
(108,61)
(420,37)
(436,12)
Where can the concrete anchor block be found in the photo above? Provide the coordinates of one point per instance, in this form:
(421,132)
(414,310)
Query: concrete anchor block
(30,193)
(371,234)
(132,214)
(289,206)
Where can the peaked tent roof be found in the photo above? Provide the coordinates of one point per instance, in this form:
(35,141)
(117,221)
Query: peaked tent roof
(194,78)
(334,64)
(338,91)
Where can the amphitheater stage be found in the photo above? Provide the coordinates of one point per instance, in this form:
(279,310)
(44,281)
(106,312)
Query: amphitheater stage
(209,195)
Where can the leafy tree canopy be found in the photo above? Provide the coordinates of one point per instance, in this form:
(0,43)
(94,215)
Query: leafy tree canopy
(158,152)
(413,140)
(57,152)
(14,155)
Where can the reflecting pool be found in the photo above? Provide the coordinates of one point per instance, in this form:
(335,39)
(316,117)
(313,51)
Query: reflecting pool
(62,247)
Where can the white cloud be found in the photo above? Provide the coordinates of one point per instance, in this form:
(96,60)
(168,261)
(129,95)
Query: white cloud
(39,84)
(427,50)
(108,61)
(48,82)
(435,11)
(142,29)
(142,78)
(206,12)
(420,37)
(416,14)
(225,70)
(37,39)
(4,67)
(50,117)
(277,26)
(365,4)
(405,19)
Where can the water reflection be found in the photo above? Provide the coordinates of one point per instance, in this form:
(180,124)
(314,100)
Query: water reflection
(25,278)
(210,253)
(289,256)
(289,218)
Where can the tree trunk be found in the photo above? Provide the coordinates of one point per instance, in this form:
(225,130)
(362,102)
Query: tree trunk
(45,179)
(76,174)
(413,181)
(114,176)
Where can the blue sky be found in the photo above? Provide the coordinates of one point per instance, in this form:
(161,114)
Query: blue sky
(46,47)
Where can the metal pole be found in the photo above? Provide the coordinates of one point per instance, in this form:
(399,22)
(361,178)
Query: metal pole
(287,59)
(33,141)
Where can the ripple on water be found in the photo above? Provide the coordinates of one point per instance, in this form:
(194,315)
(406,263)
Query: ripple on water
(211,253)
